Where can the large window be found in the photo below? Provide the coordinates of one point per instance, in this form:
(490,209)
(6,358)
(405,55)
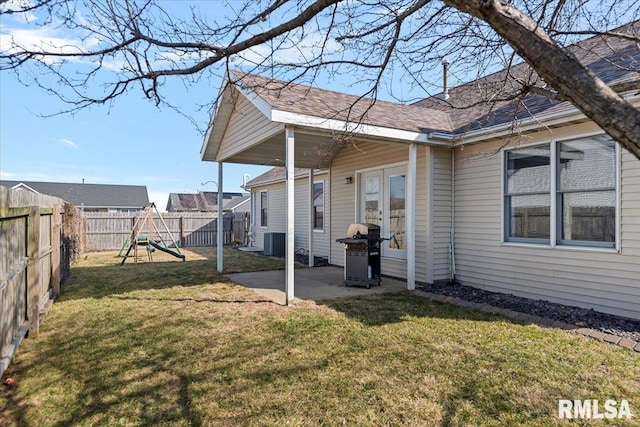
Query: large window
(528,198)
(562,193)
(264,205)
(318,205)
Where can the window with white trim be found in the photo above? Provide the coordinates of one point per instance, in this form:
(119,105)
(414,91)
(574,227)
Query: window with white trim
(566,188)
(318,205)
(264,207)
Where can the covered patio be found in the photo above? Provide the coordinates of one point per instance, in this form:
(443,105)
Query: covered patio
(267,122)
(312,284)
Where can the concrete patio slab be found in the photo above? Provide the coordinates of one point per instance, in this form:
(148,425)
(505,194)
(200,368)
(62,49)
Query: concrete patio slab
(316,284)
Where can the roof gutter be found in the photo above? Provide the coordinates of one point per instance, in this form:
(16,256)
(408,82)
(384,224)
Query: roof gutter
(526,125)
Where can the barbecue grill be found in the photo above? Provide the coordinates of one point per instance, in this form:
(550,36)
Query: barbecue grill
(362,255)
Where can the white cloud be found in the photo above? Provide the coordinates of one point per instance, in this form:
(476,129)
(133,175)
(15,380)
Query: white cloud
(52,40)
(24,17)
(38,39)
(298,51)
(68,142)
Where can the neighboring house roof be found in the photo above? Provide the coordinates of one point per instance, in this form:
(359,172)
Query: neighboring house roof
(89,195)
(235,203)
(470,106)
(278,174)
(204,201)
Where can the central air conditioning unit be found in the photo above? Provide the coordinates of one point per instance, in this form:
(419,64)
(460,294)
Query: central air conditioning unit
(274,244)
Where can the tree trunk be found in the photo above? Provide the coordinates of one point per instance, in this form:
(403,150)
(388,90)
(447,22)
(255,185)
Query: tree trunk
(559,68)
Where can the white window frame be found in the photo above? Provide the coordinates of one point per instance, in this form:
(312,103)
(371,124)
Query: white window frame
(265,208)
(324,211)
(554,241)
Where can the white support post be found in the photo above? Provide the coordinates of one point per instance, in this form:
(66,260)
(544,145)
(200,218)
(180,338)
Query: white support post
(410,212)
(220,233)
(311,217)
(290,184)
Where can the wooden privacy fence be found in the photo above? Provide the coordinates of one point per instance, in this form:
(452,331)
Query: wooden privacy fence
(102,231)
(30,244)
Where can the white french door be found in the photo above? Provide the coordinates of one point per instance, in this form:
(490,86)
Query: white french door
(382,202)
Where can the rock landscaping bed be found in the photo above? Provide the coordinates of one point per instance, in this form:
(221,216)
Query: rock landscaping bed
(583,318)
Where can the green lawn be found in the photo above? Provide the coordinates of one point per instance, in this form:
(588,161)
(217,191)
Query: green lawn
(173,343)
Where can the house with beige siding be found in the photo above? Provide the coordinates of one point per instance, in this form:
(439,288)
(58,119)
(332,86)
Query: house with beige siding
(524,196)
(268,214)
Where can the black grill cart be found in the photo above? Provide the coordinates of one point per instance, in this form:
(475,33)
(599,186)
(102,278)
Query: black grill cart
(362,255)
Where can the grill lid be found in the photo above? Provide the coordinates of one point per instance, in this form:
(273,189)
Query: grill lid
(360,230)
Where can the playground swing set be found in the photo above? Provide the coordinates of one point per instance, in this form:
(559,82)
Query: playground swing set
(145,233)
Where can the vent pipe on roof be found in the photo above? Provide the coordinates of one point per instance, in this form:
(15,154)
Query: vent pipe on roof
(445,79)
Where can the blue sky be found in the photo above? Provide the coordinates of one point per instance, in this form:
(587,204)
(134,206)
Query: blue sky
(131,142)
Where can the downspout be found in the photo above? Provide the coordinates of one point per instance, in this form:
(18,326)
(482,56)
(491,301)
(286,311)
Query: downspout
(452,232)
(245,179)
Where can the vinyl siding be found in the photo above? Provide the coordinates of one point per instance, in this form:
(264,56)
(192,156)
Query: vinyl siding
(320,239)
(601,279)
(441,211)
(247,126)
(423,266)
(367,155)
(276,212)
(276,220)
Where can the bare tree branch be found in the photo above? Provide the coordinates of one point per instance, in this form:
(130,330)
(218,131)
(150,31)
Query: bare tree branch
(115,45)
(586,91)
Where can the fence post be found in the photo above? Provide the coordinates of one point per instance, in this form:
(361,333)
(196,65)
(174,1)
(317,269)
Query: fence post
(33,270)
(232,237)
(181,225)
(83,232)
(56,222)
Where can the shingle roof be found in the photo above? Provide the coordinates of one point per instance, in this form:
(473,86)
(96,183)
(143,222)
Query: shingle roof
(278,174)
(91,195)
(302,99)
(235,202)
(204,201)
(613,59)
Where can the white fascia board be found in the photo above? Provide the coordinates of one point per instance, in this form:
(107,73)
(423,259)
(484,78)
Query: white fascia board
(529,124)
(24,186)
(254,98)
(263,106)
(237,205)
(504,129)
(223,87)
(205,142)
(355,128)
